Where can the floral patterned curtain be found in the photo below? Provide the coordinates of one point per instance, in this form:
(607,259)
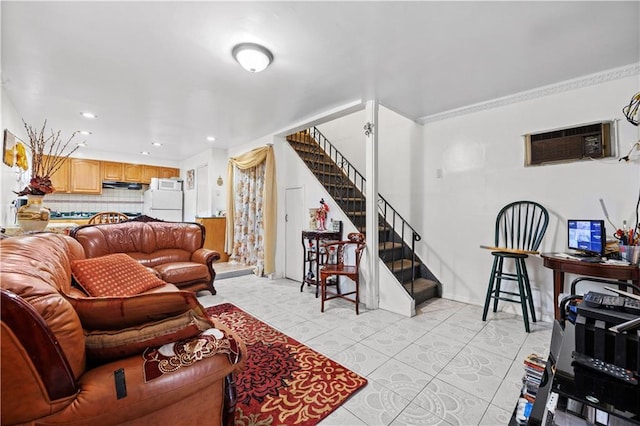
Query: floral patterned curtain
(251,233)
(248,242)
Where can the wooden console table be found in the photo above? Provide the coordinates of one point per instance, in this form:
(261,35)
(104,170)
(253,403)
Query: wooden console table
(560,265)
(313,254)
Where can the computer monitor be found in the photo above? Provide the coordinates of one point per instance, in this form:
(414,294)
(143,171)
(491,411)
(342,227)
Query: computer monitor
(587,235)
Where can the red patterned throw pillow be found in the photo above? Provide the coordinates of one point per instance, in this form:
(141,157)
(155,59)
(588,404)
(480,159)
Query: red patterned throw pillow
(113,275)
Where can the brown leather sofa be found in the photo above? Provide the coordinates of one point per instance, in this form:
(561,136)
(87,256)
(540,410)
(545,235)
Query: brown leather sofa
(46,377)
(173,249)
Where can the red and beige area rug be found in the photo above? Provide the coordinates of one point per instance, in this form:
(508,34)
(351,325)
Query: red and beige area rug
(283,382)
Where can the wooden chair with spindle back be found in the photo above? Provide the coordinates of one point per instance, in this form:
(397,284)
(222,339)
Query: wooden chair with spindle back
(339,269)
(108,217)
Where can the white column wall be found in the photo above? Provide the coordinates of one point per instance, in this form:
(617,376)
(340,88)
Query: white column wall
(481,156)
(9,178)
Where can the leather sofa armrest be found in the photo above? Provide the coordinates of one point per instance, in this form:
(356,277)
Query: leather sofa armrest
(205,256)
(97,397)
(31,354)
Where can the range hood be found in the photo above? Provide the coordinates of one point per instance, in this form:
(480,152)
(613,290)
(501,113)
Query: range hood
(121,185)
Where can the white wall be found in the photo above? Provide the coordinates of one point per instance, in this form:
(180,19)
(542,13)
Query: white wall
(397,139)
(10,179)
(347,135)
(215,159)
(481,156)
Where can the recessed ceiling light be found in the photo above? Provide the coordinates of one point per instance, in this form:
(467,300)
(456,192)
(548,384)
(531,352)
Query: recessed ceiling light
(84,132)
(83,144)
(144,152)
(252,57)
(87,114)
(156,144)
(211,138)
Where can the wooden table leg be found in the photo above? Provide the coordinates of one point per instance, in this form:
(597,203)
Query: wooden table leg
(558,287)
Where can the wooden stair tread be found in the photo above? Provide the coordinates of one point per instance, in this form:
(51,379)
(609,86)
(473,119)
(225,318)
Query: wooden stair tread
(423,289)
(399,265)
(388,245)
(420,284)
(350,198)
(363,229)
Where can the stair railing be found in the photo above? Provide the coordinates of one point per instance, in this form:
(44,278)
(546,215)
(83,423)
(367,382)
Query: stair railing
(400,232)
(317,150)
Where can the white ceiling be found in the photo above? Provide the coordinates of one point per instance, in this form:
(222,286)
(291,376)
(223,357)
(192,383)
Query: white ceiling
(163,71)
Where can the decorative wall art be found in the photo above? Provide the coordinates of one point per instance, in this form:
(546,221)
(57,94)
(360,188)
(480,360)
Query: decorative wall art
(190,178)
(14,151)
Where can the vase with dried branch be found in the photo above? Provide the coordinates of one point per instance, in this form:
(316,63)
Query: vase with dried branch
(48,153)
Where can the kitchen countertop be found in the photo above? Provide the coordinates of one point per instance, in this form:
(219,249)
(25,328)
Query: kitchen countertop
(57,228)
(83,216)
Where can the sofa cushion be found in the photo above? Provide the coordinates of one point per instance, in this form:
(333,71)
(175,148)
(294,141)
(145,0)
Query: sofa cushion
(181,272)
(113,275)
(106,345)
(114,313)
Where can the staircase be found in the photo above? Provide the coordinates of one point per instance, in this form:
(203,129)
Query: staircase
(346,185)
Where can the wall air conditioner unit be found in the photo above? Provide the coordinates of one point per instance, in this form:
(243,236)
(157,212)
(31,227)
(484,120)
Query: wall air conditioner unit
(583,142)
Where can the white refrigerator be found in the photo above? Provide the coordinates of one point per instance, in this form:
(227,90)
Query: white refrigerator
(163,204)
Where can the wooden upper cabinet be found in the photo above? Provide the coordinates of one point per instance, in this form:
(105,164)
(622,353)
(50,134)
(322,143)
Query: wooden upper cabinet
(60,179)
(85,176)
(132,172)
(168,172)
(112,171)
(149,172)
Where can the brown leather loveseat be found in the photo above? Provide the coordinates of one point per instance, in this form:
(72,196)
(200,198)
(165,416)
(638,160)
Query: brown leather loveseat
(48,375)
(173,249)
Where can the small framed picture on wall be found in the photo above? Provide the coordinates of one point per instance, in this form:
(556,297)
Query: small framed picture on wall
(190,178)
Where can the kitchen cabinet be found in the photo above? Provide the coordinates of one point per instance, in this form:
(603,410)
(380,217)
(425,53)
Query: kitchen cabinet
(132,172)
(78,176)
(139,173)
(85,176)
(112,171)
(60,179)
(215,232)
(168,172)
(149,172)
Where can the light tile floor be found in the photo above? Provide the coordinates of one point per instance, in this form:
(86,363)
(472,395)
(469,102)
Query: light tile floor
(445,366)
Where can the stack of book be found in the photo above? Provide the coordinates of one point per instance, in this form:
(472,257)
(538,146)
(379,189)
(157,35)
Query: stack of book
(533,369)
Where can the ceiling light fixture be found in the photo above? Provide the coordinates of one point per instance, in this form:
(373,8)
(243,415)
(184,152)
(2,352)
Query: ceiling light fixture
(87,114)
(252,56)
(82,144)
(211,138)
(84,132)
(156,144)
(144,152)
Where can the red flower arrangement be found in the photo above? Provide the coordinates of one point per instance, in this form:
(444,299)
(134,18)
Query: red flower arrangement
(47,156)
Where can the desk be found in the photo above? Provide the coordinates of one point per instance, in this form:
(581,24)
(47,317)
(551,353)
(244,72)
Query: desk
(314,253)
(561,265)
